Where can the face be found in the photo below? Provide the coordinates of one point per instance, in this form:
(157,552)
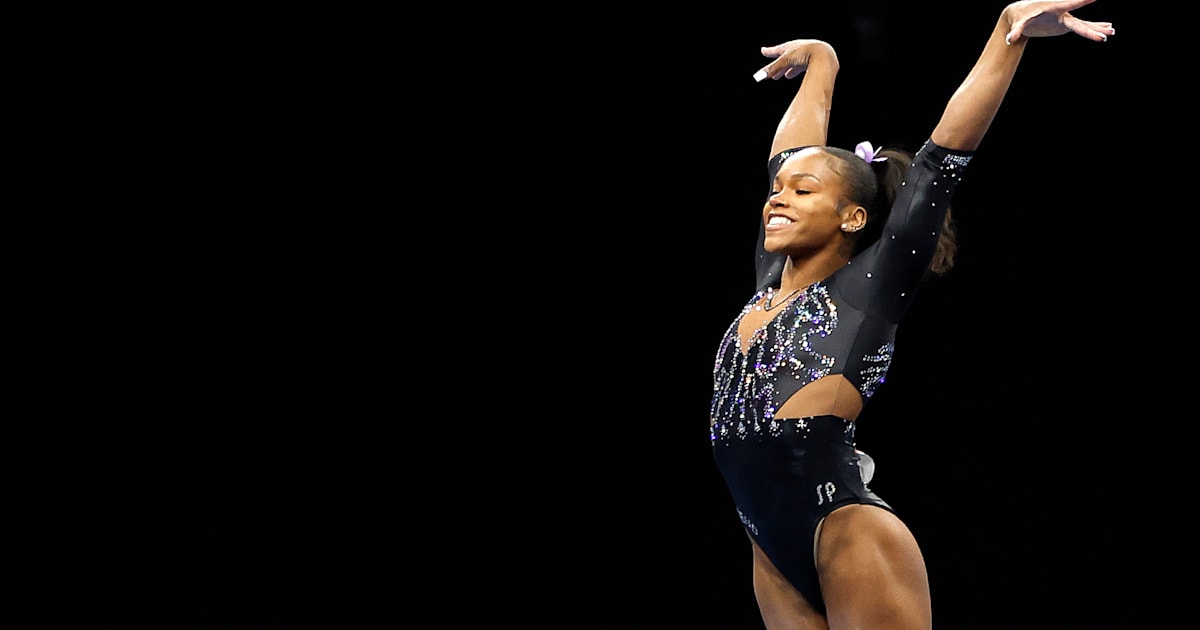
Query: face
(803,213)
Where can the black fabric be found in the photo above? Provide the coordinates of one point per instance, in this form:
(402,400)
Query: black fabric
(843,325)
(784,480)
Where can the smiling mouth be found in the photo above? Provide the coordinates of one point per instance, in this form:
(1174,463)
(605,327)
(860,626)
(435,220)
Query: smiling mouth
(778,220)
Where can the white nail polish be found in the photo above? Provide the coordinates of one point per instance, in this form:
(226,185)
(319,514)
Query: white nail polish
(760,75)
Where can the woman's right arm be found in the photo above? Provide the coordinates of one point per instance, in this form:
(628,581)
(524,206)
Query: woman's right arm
(806,120)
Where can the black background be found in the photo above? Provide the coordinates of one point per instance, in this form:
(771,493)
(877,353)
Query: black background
(409,318)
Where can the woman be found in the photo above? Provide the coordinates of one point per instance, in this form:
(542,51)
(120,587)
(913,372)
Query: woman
(845,241)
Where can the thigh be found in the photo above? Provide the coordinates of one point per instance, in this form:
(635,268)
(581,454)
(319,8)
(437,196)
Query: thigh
(872,572)
(781,605)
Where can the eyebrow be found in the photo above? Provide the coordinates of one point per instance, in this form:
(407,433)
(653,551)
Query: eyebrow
(795,176)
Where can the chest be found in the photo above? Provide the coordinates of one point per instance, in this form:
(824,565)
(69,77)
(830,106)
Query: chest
(772,319)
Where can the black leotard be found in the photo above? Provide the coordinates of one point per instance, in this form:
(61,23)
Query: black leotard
(785,475)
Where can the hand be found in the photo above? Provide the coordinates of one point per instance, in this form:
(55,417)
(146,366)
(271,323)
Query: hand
(1044,18)
(791,58)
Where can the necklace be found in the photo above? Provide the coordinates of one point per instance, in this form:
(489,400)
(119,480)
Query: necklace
(768,306)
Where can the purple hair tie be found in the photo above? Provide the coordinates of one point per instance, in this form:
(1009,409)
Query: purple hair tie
(867,152)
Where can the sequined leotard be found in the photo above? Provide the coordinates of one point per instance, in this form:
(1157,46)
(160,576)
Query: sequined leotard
(785,475)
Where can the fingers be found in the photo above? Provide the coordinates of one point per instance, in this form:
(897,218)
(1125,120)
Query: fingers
(776,69)
(1095,31)
(1049,24)
(1014,33)
(791,58)
(1071,6)
(768,51)
(772,51)
(767,70)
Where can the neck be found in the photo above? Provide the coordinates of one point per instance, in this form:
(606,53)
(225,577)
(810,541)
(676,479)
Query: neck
(800,273)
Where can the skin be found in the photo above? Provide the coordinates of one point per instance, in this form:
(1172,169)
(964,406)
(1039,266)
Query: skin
(871,568)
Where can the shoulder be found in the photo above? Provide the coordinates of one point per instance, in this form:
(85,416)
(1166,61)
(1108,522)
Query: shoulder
(934,155)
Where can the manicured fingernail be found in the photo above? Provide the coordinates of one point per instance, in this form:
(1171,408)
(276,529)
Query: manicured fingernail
(760,75)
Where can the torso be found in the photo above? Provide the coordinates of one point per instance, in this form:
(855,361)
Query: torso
(828,395)
(827,348)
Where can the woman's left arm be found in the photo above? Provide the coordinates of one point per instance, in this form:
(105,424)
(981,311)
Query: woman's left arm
(973,106)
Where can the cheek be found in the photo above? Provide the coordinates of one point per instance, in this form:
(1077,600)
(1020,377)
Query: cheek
(821,215)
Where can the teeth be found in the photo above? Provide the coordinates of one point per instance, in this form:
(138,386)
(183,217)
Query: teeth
(779,221)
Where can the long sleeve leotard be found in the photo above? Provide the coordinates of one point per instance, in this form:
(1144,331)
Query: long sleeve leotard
(845,324)
(786,474)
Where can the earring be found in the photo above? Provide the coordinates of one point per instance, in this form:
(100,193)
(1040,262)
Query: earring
(845,226)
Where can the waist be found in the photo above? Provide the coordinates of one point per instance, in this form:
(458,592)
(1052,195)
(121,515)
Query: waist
(823,428)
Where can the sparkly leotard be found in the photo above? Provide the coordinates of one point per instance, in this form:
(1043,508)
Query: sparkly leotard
(785,475)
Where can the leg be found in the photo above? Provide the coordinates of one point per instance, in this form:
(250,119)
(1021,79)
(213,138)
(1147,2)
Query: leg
(781,605)
(872,572)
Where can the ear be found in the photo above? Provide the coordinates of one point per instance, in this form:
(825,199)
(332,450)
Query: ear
(855,219)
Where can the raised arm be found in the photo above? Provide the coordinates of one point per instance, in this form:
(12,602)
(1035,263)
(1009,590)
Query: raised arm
(806,120)
(974,104)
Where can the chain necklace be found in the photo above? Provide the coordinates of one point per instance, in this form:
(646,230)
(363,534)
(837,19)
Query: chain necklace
(768,306)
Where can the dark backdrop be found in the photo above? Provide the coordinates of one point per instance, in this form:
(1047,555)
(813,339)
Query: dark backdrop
(410,318)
